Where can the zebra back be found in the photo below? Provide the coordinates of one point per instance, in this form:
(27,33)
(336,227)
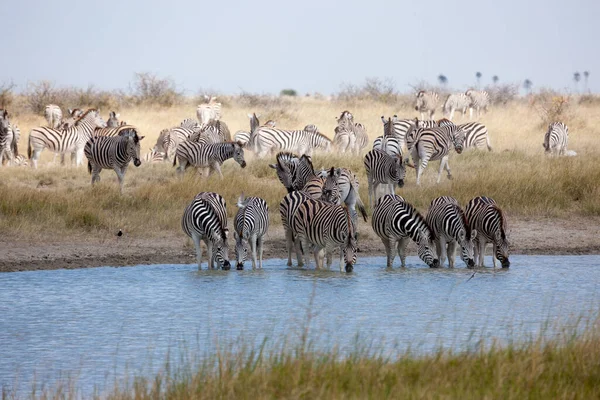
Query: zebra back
(252,217)
(556,138)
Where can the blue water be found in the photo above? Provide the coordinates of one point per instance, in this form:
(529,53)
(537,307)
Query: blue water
(99,324)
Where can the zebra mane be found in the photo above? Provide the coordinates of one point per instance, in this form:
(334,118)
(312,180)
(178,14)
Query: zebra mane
(503,222)
(389,131)
(465,221)
(420,217)
(85,114)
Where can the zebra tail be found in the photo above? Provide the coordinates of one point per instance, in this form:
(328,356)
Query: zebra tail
(89,167)
(487,142)
(175,160)
(360,204)
(29,147)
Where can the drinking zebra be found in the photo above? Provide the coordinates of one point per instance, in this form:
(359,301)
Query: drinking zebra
(287,209)
(480,100)
(250,225)
(205,218)
(207,156)
(268,140)
(556,139)
(484,215)
(71,140)
(114,152)
(396,222)
(383,169)
(53,115)
(426,103)
(450,228)
(434,144)
(323,227)
(113,120)
(454,102)
(209,111)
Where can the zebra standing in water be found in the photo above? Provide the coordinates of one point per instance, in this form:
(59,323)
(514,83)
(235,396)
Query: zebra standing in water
(209,111)
(556,139)
(434,144)
(205,218)
(302,142)
(250,224)
(323,227)
(71,140)
(207,156)
(484,215)
(426,103)
(454,102)
(114,153)
(53,115)
(450,228)
(287,209)
(395,222)
(383,169)
(480,100)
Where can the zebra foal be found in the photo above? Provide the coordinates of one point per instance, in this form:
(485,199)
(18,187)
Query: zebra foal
(484,215)
(556,139)
(205,219)
(250,226)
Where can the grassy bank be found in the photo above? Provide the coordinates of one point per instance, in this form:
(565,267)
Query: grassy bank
(54,199)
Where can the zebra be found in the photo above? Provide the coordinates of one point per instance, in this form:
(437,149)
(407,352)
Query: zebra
(326,226)
(6,137)
(295,173)
(169,139)
(154,156)
(480,100)
(285,166)
(426,103)
(209,111)
(299,141)
(484,215)
(205,218)
(113,152)
(476,136)
(350,136)
(383,169)
(207,156)
(214,131)
(118,130)
(113,120)
(71,140)
(250,226)
(287,209)
(396,221)
(53,115)
(556,139)
(189,123)
(341,186)
(389,142)
(454,102)
(434,144)
(450,228)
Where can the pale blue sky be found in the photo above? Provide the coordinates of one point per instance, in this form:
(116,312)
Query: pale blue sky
(310,45)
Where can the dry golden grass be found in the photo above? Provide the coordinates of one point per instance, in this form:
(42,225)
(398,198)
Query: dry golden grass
(523,181)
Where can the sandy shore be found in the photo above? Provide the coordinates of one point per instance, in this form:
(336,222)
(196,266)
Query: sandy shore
(575,235)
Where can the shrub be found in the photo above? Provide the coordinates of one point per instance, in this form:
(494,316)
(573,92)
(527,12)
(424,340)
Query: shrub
(6,94)
(288,92)
(374,89)
(149,89)
(502,94)
(552,106)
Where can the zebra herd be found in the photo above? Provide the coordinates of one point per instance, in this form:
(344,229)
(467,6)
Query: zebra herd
(473,100)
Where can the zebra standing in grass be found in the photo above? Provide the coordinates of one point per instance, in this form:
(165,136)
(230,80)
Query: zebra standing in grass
(556,139)
(323,227)
(53,115)
(113,120)
(154,156)
(302,142)
(207,156)
(456,102)
(480,100)
(114,153)
(389,143)
(383,169)
(426,103)
(484,215)
(450,228)
(341,186)
(285,166)
(396,222)
(476,136)
(214,131)
(6,137)
(71,140)
(250,224)
(114,131)
(350,136)
(190,123)
(205,218)
(434,144)
(209,111)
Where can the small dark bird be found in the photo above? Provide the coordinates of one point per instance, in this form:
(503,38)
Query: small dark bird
(471,277)
(120,233)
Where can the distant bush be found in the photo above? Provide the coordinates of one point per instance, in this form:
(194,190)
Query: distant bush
(262,100)
(288,92)
(374,89)
(6,94)
(552,106)
(589,99)
(503,94)
(151,90)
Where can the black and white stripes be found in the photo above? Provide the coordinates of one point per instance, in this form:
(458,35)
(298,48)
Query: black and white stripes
(207,156)
(484,215)
(250,226)
(556,139)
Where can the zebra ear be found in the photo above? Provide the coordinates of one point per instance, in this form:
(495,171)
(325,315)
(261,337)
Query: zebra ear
(473,234)
(250,116)
(274,166)
(383,119)
(240,202)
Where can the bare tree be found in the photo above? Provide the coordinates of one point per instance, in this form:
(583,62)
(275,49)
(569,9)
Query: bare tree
(586,75)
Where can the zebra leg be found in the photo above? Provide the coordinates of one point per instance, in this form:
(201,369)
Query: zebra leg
(120,175)
(62,159)
(196,239)
(387,243)
(216,167)
(470,113)
(95,174)
(289,243)
(451,253)
(481,252)
(420,168)
(252,241)
(319,257)
(494,247)
(260,251)
(402,243)
(370,184)
(209,252)
(440,247)
(443,164)
(451,114)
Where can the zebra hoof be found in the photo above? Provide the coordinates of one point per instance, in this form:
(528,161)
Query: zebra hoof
(450,177)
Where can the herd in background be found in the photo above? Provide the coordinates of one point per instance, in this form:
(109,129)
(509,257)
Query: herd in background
(319,213)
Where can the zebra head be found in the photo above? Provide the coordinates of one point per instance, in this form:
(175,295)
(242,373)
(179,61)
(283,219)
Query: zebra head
(241,250)
(458,138)
(284,172)
(238,154)
(420,100)
(466,240)
(113,120)
(4,122)
(501,244)
(425,250)
(133,145)
(331,188)
(221,251)
(399,170)
(350,247)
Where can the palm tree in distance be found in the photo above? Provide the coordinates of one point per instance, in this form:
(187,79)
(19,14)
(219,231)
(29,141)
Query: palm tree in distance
(586,75)
(527,84)
(442,79)
(495,79)
(478,76)
(577,78)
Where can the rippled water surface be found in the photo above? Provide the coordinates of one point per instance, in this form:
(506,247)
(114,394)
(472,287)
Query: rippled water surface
(98,324)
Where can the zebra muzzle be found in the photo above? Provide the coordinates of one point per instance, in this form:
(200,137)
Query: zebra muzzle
(401,183)
(349,267)
(435,264)
(243,164)
(470,263)
(226,265)
(505,263)
(240,266)
(137,162)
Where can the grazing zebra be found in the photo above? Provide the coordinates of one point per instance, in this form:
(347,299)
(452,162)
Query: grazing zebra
(250,224)
(341,186)
(434,144)
(53,115)
(113,120)
(556,139)
(476,136)
(154,156)
(207,156)
(302,142)
(205,218)
(454,102)
(426,103)
(209,111)
(326,226)
(114,153)
(480,100)
(395,222)
(189,123)
(71,140)
(285,166)
(20,161)
(383,169)
(450,228)
(484,215)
